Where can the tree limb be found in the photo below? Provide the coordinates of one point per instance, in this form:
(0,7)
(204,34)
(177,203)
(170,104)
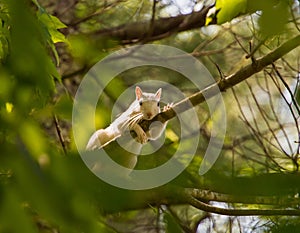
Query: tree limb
(240,212)
(208,195)
(175,195)
(160,28)
(225,83)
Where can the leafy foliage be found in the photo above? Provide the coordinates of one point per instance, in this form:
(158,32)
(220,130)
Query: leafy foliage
(269,25)
(229,9)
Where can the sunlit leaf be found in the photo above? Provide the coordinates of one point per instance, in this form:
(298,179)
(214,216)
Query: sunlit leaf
(51,25)
(33,139)
(229,9)
(9,107)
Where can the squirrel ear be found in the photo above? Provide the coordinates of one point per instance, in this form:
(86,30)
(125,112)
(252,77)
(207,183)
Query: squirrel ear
(138,92)
(158,94)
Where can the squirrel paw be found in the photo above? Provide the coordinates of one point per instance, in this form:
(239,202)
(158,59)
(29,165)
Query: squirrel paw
(168,106)
(142,137)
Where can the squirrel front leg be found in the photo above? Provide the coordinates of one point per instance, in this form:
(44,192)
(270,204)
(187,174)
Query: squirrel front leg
(141,135)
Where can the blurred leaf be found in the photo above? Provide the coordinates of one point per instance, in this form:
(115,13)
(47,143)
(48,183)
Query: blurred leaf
(115,88)
(24,57)
(102,117)
(33,138)
(226,10)
(172,225)
(9,107)
(230,9)
(63,107)
(89,50)
(11,210)
(274,17)
(37,4)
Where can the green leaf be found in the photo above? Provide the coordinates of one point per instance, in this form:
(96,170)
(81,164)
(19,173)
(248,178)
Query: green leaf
(172,225)
(50,21)
(11,210)
(37,4)
(86,49)
(230,9)
(63,108)
(51,24)
(55,53)
(270,25)
(32,137)
(29,62)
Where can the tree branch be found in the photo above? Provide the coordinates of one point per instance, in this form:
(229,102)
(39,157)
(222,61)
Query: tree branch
(160,28)
(175,195)
(225,83)
(208,195)
(240,212)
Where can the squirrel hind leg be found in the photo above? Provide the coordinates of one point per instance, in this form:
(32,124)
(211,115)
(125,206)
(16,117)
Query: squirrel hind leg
(99,139)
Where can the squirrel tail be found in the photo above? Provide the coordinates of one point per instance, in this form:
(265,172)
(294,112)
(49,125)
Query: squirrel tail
(100,138)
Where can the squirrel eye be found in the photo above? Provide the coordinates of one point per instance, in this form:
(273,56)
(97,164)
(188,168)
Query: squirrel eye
(157,104)
(141,103)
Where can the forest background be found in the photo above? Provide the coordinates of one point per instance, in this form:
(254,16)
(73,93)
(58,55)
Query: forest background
(251,48)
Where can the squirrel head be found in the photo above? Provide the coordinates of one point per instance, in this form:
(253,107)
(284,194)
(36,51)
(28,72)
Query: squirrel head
(148,102)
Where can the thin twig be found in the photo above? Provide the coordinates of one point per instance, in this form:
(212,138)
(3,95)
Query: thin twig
(255,130)
(294,18)
(277,119)
(287,88)
(263,115)
(59,133)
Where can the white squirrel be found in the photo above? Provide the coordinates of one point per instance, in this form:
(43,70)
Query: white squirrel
(146,106)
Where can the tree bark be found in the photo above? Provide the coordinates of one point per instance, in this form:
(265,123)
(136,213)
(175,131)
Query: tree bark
(158,29)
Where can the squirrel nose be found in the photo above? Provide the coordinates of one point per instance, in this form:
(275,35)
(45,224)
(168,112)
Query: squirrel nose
(149,115)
